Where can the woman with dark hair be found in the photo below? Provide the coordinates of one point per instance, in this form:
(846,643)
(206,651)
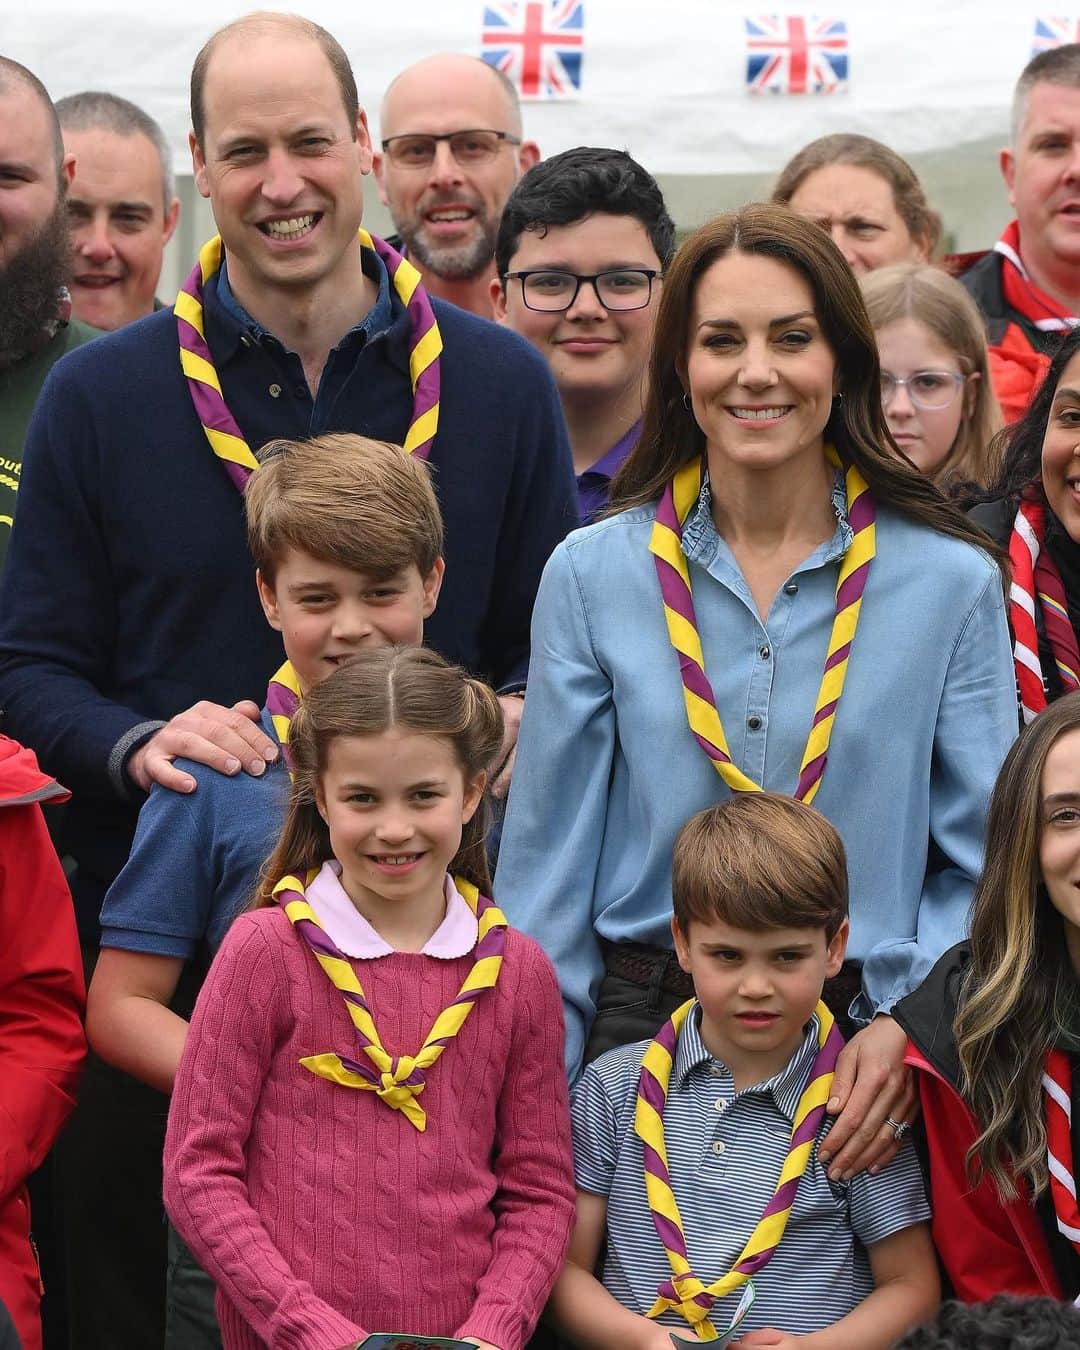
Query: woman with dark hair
(1034,510)
(866,196)
(995,1035)
(774,587)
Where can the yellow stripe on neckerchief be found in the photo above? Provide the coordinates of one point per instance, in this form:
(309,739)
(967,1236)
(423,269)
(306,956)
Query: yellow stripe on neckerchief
(197,362)
(685,1293)
(673,574)
(282,700)
(396,1080)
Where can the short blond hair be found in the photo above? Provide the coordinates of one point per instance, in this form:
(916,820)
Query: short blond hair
(760,861)
(362,504)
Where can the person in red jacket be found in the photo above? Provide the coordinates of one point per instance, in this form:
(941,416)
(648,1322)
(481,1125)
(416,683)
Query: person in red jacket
(42,998)
(995,1037)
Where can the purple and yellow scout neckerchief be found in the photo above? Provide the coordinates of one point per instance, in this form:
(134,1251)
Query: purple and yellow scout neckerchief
(674,576)
(396,1080)
(684,1293)
(222,431)
(282,700)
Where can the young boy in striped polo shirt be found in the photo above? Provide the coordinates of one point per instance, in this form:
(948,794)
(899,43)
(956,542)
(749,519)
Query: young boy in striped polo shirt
(696,1153)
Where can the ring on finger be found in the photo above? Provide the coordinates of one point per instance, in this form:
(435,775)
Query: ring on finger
(898,1127)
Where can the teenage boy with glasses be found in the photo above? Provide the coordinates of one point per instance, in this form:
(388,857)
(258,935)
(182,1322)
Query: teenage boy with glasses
(580,254)
(452,150)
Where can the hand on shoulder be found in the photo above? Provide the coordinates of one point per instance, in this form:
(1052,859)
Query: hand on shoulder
(225,739)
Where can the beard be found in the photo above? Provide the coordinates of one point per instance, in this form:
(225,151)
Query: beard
(30,285)
(457,262)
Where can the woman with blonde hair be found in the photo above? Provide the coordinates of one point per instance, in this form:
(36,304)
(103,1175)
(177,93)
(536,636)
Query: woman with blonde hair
(995,1035)
(935,383)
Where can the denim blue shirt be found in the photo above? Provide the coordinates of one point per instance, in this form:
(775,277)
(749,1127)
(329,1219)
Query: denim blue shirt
(607,770)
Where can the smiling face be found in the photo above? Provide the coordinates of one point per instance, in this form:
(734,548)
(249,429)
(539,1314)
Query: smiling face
(856,206)
(592,351)
(281,165)
(395,805)
(1061,450)
(1059,838)
(760,373)
(1042,174)
(910,351)
(326,613)
(757,990)
(119,225)
(448,213)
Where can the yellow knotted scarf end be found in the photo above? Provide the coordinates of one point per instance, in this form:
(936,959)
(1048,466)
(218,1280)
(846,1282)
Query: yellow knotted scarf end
(398,1095)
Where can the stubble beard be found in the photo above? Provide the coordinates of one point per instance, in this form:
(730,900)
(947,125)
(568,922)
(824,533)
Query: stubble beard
(461,262)
(30,285)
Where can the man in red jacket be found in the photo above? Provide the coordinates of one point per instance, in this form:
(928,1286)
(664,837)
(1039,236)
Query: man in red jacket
(41,1006)
(1028,285)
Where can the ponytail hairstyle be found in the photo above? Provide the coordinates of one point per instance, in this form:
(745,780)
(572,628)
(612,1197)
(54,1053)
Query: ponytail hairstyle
(388,688)
(1020,988)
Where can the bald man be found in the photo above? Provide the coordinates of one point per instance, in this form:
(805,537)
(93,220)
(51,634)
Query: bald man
(452,150)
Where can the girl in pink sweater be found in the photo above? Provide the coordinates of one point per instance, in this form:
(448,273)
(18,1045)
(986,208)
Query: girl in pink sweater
(369,1128)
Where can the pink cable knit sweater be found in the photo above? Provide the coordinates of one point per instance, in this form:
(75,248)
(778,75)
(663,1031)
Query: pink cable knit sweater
(321,1213)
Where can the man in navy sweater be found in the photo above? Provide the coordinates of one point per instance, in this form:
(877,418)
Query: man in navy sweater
(128,597)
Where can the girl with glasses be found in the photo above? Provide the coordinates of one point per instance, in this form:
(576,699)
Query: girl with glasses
(935,387)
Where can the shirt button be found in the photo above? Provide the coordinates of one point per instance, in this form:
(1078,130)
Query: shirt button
(716,1071)
(275,391)
(245,340)
(792,588)
(764,653)
(718,1147)
(721,1105)
(754,723)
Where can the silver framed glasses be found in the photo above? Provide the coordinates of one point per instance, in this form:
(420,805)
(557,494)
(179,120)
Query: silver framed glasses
(930,390)
(551,292)
(417,151)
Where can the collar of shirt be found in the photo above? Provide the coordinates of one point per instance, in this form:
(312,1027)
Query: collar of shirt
(238,323)
(701,542)
(785,1087)
(455,936)
(593,483)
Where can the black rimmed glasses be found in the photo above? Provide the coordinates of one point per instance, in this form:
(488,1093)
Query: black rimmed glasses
(550,292)
(417,151)
(930,390)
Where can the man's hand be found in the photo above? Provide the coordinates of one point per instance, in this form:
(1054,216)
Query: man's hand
(871,1083)
(226,739)
(512,706)
(768,1338)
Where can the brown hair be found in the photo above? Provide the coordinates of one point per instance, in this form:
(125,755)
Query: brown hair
(362,504)
(670,436)
(758,861)
(1020,989)
(292,25)
(863,152)
(378,690)
(919,291)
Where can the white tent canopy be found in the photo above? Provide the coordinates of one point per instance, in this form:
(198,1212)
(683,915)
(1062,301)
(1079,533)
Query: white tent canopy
(668,82)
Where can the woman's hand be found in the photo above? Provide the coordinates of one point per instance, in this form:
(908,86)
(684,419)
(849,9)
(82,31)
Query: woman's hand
(871,1084)
(483,1345)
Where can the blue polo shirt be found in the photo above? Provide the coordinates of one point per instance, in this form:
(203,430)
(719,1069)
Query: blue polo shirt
(725,1151)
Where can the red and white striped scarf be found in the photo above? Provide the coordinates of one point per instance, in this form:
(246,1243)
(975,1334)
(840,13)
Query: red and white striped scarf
(1036,580)
(1020,292)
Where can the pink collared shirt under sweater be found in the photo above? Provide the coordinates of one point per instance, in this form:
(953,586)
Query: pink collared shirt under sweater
(322,1214)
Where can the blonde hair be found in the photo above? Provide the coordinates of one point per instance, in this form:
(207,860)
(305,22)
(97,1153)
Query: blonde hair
(919,291)
(377,691)
(362,504)
(1020,988)
(760,861)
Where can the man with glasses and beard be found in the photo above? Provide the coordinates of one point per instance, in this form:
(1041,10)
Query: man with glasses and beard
(36,327)
(452,150)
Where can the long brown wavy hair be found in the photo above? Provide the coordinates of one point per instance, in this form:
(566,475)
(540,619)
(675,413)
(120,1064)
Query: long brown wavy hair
(408,688)
(1020,988)
(670,436)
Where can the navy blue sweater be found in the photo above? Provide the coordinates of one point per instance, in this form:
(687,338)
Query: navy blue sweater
(128,592)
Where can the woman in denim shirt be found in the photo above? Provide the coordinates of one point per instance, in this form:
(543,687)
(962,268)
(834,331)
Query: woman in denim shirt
(764,363)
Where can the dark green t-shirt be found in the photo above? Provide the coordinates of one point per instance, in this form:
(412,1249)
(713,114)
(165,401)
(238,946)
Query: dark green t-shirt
(20,385)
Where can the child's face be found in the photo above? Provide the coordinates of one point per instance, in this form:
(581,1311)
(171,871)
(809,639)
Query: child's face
(395,805)
(757,990)
(326,613)
(1059,838)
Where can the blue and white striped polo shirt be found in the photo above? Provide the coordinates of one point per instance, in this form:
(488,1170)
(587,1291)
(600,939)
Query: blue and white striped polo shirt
(725,1151)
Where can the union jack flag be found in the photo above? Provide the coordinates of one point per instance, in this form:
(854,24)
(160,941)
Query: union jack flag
(537,44)
(1054,30)
(796,54)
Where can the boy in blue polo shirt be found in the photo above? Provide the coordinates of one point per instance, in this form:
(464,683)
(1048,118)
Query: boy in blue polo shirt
(347,538)
(680,1142)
